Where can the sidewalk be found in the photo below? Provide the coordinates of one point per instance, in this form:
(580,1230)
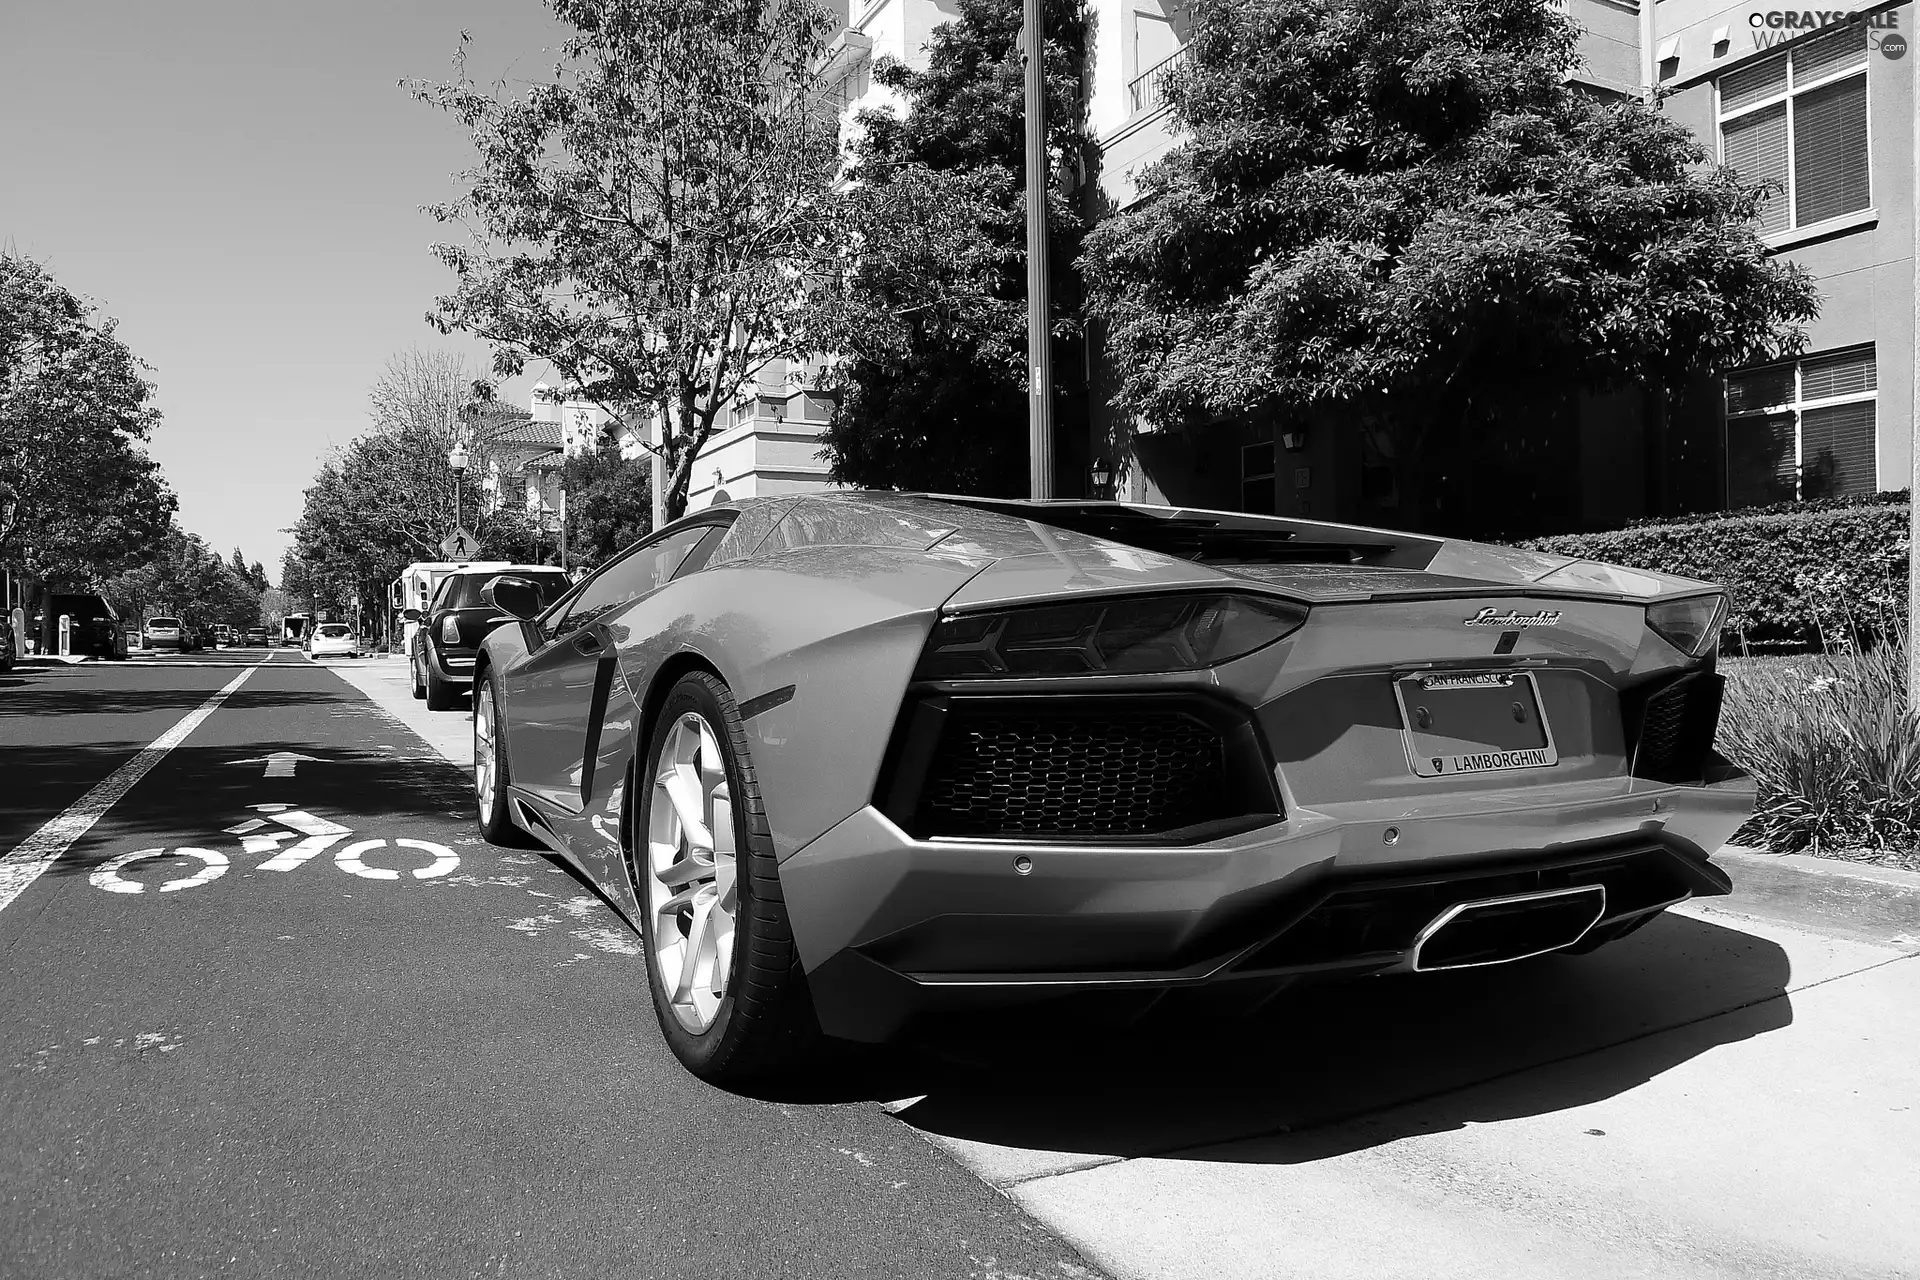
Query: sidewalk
(387,682)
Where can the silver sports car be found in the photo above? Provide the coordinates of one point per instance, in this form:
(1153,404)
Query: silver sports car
(853,760)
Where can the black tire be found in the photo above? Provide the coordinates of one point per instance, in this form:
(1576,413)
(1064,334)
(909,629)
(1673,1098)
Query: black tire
(496,822)
(413,669)
(442,695)
(765,1025)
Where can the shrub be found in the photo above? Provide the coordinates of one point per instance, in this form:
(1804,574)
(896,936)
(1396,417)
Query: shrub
(1835,747)
(1807,573)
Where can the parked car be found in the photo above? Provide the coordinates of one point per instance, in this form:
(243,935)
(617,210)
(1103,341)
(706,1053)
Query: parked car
(455,621)
(163,633)
(850,761)
(332,640)
(94,629)
(256,637)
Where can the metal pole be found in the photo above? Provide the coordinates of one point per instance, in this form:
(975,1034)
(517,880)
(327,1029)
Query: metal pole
(1913,445)
(1039,335)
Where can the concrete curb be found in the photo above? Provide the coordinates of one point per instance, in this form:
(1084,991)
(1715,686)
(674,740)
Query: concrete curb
(1848,899)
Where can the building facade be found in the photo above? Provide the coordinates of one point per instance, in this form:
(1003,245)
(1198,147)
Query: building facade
(1824,109)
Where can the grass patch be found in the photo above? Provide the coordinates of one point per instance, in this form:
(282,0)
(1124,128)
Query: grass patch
(1835,748)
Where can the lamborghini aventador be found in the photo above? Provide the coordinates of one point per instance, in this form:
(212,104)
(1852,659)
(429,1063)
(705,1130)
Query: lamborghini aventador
(849,761)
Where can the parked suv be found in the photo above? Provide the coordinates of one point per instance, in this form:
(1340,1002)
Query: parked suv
(454,623)
(94,631)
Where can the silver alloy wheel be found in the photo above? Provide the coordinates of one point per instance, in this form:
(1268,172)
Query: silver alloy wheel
(692,876)
(483,770)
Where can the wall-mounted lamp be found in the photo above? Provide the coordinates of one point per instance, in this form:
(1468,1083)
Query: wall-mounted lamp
(1295,441)
(1100,473)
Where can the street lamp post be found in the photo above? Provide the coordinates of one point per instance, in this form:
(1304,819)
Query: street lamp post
(1039,335)
(457,459)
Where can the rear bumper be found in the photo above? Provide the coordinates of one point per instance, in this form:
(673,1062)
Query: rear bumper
(456,668)
(890,929)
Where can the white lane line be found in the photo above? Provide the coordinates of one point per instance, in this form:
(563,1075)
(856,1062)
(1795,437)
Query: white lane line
(25,862)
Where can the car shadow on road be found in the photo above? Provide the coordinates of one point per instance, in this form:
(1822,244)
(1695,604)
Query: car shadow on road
(1321,1070)
(26,698)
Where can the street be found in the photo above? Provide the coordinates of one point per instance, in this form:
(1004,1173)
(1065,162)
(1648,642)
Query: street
(349,1038)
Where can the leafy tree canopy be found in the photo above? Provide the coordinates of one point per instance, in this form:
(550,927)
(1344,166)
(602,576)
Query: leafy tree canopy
(75,414)
(1398,211)
(646,222)
(609,503)
(186,578)
(931,325)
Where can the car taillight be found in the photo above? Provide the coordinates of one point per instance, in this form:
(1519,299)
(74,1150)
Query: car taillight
(450,629)
(1131,636)
(1691,625)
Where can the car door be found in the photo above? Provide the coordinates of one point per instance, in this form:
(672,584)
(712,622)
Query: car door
(556,694)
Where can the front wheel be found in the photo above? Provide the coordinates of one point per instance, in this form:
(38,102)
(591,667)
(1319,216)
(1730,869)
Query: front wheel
(419,684)
(490,772)
(721,964)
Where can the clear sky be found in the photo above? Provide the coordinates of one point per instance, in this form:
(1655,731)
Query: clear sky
(239,183)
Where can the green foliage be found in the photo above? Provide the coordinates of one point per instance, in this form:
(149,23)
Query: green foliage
(1835,747)
(646,222)
(932,322)
(609,503)
(1883,497)
(185,577)
(75,414)
(1816,576)
(1398,215)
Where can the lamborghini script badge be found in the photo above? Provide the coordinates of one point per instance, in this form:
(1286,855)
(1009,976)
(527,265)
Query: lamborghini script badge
(1491,617)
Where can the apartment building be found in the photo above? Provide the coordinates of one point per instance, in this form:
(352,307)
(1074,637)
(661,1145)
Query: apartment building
(1824,106)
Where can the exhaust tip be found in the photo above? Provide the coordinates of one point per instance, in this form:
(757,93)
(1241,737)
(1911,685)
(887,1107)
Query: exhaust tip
(1488,931)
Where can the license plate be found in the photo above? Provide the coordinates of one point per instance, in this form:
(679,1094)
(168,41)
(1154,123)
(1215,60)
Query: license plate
(1460,722)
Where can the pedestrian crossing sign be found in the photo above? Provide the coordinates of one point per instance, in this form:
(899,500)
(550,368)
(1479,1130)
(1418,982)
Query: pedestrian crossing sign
(460,545)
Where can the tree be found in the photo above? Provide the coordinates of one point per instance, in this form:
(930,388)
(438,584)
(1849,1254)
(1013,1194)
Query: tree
(647,223)
(1396,216)
(186,578)
(609,503)
(75,414)
(932,326)
(258,576)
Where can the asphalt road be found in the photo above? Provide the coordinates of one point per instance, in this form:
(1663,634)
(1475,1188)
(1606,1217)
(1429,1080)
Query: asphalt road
(321,1070)
(369,1059)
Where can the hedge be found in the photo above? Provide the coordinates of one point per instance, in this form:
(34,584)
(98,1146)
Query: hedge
(1803,573)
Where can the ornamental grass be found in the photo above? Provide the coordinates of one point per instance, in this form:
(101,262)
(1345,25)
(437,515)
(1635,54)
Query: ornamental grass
(1835,747)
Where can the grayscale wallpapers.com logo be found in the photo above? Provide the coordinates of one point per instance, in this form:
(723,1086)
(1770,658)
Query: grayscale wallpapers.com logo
(1778,26)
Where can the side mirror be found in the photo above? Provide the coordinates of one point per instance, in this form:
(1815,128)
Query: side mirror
(411,615)
(515,597)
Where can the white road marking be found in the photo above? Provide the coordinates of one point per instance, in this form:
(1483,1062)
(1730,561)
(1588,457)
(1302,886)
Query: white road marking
(348,859)
(280,764)
(27,861)
(296,855)
(107,875)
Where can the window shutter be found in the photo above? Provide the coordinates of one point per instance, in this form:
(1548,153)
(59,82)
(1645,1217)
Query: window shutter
(1824,55)
(1760,466)
(1838,373)
(1837,451)
(1750,84)
(1830,151)
(1753,389)
(1756,149)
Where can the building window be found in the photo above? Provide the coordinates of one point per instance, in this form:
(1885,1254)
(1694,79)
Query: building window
(1256,479)
(1802,430)
(1800,120)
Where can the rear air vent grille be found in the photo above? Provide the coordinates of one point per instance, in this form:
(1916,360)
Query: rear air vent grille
(1076,769)
(1677,723)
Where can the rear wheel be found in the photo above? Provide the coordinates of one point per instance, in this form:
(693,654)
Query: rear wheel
(490,772)
(442,695)
(721,965)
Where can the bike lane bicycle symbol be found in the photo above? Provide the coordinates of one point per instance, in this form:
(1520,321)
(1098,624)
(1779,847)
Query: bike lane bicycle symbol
(258,835)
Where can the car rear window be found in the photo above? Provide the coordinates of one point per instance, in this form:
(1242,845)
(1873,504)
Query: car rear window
(163,622)
(82,608)
(465,592)
(333,630)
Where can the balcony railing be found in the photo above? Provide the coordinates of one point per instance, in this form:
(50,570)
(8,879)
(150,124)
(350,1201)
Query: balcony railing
(1147,89)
